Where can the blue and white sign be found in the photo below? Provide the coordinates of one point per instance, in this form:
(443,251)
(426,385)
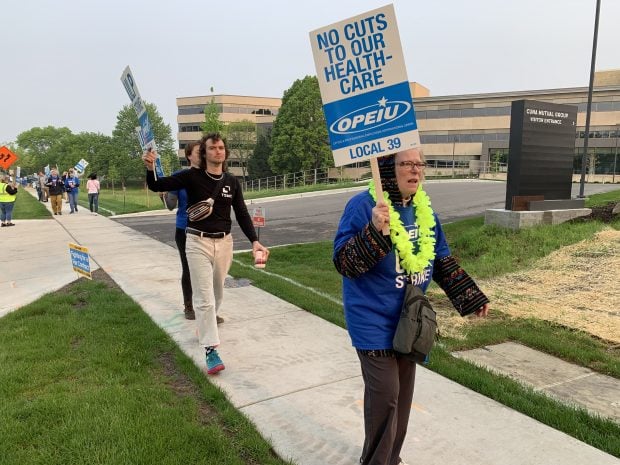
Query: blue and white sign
(141,138)
(147,140)
(363,80)
(80,260)
(80,166)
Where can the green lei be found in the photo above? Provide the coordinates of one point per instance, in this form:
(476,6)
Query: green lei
(412,262)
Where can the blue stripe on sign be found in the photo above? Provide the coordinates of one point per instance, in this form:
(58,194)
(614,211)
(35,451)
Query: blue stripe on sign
(373,115)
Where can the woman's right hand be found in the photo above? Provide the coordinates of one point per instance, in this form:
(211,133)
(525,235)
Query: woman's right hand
(149,160)
(380,215)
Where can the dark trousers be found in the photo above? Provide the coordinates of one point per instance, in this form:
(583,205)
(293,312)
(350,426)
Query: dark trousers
(388,391)
(186,283)
(93,202)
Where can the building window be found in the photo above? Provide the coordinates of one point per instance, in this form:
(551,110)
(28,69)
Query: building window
(191,110)
(602,106)
(189,128)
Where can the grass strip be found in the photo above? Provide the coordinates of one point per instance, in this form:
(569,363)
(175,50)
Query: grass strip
(87,377)
(138,199)
(28,208)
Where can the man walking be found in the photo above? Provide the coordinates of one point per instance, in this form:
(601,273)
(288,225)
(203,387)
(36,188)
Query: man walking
(56,188)
(211,193)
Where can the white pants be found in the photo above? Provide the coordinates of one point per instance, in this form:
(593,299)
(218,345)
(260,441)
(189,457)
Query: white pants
(209,261)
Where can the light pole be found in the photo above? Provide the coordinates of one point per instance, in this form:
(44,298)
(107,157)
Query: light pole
(589,107)
(613,176)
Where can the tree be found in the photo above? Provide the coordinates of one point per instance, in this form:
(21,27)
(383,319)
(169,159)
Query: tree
(97,149)
(241,140)
(40,146)
(59,147)
(27,162)
(300,140)
(127,150)
(212,121)
(258,163)
(113,176)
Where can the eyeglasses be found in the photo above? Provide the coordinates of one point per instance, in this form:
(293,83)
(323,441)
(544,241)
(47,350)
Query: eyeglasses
(410,164)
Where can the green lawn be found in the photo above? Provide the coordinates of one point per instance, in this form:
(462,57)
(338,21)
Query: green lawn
(119,201)
(139,199)
(86,377)
(28,208)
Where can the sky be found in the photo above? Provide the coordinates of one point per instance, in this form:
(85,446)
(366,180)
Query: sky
(62,61)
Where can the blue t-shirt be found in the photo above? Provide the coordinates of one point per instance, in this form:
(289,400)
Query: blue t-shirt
(373,301)
(181,222)
(76,184)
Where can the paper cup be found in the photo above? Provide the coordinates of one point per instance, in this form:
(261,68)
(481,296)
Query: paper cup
(259,259)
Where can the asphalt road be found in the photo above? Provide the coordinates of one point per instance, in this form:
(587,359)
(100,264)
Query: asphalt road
(313,218)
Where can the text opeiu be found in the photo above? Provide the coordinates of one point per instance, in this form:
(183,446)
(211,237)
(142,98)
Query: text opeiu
(369,117)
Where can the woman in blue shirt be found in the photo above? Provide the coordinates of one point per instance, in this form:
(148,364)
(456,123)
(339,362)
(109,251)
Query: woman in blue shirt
(72,183)
(376,269)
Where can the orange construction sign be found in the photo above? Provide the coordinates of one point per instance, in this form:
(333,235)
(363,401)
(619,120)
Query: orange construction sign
(7,158)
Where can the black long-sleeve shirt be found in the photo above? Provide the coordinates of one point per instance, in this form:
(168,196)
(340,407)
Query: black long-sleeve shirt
(199,186)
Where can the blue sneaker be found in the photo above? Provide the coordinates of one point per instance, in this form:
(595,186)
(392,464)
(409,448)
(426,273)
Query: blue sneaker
(214,362)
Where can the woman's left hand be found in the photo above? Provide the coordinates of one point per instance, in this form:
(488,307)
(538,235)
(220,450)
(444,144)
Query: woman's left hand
(482,311)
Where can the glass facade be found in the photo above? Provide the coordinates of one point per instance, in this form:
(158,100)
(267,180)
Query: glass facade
(600,160)
(446,138)
(503,110)
(243,110)
(189,128)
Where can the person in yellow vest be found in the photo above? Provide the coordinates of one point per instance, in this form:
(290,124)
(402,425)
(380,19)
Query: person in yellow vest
(8,191)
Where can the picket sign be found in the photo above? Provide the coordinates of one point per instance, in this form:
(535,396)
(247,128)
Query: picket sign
(365,90)
(146,138)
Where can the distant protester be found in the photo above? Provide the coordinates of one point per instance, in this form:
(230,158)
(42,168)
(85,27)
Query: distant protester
(56,189)
(72,183)
(8,193)
(64,194)
(92,186)
(41,187)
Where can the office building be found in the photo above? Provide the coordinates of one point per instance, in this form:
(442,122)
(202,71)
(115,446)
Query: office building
(466,133)
(232,108)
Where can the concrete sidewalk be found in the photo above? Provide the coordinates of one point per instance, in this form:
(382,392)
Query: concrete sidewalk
(294,375)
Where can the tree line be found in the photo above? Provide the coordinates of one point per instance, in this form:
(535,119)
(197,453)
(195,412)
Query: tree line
(298,141)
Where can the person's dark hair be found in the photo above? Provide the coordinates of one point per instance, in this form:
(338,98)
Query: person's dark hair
(189,148)
(93,176)
(214,136)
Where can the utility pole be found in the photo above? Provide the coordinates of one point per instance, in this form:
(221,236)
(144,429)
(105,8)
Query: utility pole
(613,176)
(589,107)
